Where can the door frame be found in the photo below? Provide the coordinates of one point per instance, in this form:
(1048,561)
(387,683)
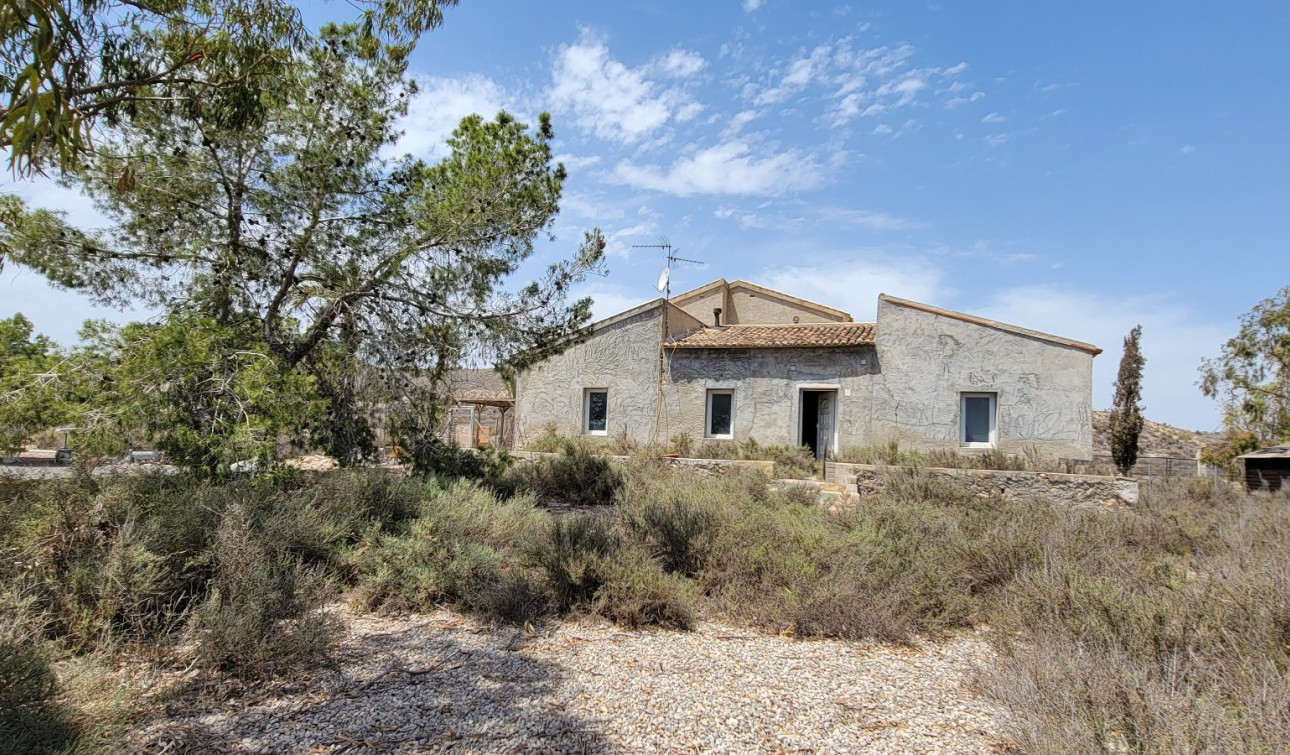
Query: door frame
(802,388)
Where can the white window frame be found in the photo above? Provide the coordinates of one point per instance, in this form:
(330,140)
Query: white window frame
(994,420)
(707,415)
(586,411)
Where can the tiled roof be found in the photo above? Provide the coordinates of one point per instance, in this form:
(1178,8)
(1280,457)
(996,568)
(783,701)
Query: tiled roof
(830,334)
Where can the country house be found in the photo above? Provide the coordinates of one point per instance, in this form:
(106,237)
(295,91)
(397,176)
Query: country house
(734,360)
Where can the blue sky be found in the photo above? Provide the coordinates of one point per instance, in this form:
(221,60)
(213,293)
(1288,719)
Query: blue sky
(1076,169)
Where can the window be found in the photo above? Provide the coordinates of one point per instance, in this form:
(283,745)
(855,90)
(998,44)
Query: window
(595,411)
(977,425)
(720,421)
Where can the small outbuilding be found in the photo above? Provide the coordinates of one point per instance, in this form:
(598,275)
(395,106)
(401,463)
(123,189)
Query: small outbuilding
(1266,469)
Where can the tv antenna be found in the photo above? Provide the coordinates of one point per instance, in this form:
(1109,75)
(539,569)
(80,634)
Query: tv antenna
(664,286)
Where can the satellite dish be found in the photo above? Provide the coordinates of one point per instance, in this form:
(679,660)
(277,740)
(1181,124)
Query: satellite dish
(662,278)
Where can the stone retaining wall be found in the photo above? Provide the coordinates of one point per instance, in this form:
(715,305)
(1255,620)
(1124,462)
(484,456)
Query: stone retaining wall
(1037,487)
(702,467)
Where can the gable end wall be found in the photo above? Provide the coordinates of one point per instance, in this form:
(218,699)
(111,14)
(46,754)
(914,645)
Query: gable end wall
(927,361)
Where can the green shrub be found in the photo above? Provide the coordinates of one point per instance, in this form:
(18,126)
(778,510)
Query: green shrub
(575,557)
(434,458)
(638,593)
(30,720)
(577,475)
(676,527)
(464,549)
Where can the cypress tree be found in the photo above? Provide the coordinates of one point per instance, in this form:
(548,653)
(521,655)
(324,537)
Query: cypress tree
(1126,412)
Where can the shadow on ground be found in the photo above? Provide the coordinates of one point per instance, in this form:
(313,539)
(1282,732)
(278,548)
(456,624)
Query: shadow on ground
(422,689)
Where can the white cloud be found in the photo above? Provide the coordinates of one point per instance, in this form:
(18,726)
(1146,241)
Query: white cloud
(440,105)
(799,73)
(1187,149)
(577,162)
(1173,342)
(811,216)
(727,168)
(993,118)
(955,102)
(852,282)
(618,103)
(608,300)
(752,5)
(681,64)
(619,243)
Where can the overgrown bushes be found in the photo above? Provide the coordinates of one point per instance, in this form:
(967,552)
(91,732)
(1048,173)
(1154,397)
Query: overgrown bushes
(1162,627)
(576,475)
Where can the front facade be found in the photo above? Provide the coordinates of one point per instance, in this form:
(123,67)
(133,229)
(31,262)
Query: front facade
(733,361)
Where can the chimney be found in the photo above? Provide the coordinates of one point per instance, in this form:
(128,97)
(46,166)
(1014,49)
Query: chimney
(716,317)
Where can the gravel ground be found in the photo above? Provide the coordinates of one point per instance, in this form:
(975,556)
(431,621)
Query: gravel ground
(442,682)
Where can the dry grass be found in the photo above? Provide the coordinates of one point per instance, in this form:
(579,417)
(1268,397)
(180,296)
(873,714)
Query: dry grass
(1158,628)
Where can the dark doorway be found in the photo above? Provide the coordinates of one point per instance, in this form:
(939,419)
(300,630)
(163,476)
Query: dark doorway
(819,411)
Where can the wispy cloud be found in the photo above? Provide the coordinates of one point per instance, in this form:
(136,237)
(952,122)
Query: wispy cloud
(1174,341)
(993,118)
(852,281)
(812,216)
(618,103)
(731,167)
(439,106)
(752,5)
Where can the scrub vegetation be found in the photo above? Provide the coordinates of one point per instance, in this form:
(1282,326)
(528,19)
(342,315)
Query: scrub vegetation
(1159,628)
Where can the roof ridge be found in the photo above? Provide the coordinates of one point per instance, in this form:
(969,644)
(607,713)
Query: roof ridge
(796,324)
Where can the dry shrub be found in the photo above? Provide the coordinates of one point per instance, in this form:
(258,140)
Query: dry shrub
(675,526)
(577,475)
(575,557)
(638,593)
(464,548)
(1164,628)
(262,615)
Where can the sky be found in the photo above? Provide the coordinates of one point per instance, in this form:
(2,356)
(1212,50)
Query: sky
(1075,168)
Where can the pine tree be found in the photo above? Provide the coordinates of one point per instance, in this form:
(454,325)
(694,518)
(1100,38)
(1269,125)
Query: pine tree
(1126,413)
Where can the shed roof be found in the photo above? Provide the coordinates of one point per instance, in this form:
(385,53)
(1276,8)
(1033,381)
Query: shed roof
(807,335)
(1272,452)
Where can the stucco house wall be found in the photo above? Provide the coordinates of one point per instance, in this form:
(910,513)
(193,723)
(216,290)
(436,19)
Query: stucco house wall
(758,306)
(928,359)
(621,355)
(904,380)
(765,384)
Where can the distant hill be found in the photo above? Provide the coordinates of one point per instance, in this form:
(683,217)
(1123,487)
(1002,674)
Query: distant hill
(1158,439)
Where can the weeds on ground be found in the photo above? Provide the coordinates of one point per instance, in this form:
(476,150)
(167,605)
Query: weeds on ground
(791,462)
(1030,460)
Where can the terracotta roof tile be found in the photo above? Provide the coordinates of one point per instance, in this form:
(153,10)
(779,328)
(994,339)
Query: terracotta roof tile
(831,334)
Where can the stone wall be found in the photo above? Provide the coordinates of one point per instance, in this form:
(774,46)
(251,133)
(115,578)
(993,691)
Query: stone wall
(1034,487)
(701,467)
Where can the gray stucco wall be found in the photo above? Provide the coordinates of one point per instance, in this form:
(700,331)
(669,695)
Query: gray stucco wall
(755,308)
(908,388)
(622,357)
(927,361)
(766,384)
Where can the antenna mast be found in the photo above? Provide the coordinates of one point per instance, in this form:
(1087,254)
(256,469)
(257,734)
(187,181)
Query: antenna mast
(664,287)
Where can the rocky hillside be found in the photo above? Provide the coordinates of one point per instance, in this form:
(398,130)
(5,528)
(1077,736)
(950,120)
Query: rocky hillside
(1158,439)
